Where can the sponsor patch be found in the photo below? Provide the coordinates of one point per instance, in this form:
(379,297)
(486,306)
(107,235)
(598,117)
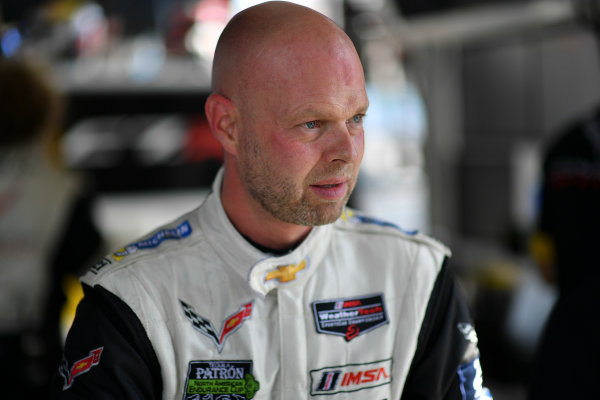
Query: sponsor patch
(180,232)
(350,377)
(471,382)
(99,265)
(468,332)
(79,367)
(349,215)
(220,380)
(205,327)
(285,273)
(350,317)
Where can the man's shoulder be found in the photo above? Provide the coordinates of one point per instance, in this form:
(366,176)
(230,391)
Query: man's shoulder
(360,223)
(165,241)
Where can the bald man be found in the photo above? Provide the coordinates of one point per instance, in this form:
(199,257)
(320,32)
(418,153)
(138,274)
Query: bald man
(272,288)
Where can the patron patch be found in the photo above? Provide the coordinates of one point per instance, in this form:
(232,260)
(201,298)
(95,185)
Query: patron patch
(220,380)
(205,327)
(350,317)
(350,378)
(180,232)
(79,367)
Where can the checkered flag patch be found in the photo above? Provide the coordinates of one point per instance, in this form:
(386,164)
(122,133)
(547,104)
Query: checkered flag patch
(201,324)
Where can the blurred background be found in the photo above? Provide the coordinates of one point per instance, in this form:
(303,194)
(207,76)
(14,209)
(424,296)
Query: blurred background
(466,95)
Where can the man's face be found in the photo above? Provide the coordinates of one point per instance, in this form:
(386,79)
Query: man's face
(302,139)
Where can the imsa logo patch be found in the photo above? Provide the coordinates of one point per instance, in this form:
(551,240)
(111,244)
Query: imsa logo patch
(350,317)
(350,377)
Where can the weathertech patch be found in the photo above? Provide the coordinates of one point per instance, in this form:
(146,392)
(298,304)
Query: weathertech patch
(350,317)
(350,377)
(222,380)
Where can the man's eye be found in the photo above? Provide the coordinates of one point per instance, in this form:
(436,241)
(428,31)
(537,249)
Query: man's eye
(311,124)
(357,119)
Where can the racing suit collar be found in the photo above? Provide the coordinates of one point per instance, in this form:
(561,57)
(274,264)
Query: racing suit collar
(264,272)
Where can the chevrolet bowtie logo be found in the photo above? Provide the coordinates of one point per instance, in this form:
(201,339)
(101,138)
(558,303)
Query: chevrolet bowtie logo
(286,273)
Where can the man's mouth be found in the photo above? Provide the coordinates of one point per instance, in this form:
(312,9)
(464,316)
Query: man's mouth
(330,190)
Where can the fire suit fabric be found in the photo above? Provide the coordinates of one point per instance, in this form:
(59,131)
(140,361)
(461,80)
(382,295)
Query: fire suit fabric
(359,310)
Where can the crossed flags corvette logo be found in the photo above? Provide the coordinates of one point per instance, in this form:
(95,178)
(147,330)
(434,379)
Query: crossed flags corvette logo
(205,327)
(79,367)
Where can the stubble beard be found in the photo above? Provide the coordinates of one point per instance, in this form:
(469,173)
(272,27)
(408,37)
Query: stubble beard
(282,198)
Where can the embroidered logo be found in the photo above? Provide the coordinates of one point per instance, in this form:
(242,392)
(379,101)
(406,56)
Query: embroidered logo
(222,380)
(468,332)
(350,377)
(180,232)
(99,265)
(286,273)
(471,382)
(205,327)
(350,317)
(349,215)
(79,367)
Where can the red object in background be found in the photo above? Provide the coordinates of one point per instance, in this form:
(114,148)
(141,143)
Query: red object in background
(212,10)
(200,144)
(179,25)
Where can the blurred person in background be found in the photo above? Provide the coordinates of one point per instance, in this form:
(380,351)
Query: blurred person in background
(566,250)
(46,231)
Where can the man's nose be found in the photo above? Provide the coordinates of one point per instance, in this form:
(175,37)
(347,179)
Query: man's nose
(344,145)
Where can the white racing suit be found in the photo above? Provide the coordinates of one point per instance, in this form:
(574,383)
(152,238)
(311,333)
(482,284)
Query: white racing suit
(359,310)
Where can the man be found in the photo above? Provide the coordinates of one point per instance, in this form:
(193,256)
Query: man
(272,289)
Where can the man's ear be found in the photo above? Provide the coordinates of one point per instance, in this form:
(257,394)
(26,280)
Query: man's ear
(222,119)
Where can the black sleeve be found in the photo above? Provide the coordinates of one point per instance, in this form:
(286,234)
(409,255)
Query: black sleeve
(445,364)
(108,354)
(77,244)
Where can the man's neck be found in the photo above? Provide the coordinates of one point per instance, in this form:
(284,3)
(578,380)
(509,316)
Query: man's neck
(269,250)
(257,225)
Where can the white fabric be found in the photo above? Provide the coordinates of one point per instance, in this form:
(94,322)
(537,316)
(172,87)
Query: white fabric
(216,272)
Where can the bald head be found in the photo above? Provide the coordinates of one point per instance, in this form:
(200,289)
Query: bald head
(269,38)
(287,106)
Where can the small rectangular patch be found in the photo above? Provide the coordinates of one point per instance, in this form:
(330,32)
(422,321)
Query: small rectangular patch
(229,380)
(350,377)
(99,265)
(181,231)
(350,317)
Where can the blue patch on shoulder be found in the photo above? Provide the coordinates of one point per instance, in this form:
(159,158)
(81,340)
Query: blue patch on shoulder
(471,382)
(370,220)
(181,231)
